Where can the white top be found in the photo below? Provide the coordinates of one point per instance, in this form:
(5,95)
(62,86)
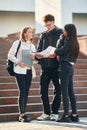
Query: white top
(12,51)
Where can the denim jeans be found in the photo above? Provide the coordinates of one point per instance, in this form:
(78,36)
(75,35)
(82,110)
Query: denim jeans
(47,75)
(24,82)
(66,76)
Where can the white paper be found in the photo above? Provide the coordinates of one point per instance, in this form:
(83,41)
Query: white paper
(48,51)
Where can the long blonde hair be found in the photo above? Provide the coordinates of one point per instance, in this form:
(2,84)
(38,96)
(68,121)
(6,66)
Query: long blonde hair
(22,36)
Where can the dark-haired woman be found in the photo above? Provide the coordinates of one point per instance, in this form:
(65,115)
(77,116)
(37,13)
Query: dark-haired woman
(67,52)
(23,73)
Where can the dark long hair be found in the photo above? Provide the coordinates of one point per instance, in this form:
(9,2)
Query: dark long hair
(72,36)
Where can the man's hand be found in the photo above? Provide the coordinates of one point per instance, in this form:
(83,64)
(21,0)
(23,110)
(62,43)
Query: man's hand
(39,56)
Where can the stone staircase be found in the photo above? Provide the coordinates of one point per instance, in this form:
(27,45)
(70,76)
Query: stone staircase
(9,90)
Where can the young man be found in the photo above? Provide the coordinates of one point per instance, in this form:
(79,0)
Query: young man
(49,69)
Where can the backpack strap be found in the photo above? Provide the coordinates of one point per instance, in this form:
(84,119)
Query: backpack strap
(18,48)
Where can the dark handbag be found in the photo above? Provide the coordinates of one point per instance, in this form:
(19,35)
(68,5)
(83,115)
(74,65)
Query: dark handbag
(10,64)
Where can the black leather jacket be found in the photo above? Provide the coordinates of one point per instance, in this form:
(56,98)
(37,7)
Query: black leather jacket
(47,39)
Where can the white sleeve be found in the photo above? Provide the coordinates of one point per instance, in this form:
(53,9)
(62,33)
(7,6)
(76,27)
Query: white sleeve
(12,52)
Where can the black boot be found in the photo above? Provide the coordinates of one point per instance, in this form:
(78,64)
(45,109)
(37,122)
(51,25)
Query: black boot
(74,118)
(24,118)
(64,119)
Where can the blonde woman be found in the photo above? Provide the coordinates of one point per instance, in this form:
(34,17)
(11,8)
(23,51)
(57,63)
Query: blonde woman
(23,73)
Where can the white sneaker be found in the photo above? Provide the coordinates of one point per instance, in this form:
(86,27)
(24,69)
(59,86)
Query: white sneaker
(43,117)
(54,117)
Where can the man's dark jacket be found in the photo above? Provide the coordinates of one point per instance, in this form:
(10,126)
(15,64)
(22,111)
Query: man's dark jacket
(49,39)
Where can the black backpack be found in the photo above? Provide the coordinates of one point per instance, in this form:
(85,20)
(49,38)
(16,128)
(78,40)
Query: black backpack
(10,64)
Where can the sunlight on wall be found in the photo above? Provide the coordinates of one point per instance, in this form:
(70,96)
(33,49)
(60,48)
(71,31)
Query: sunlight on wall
(44,7)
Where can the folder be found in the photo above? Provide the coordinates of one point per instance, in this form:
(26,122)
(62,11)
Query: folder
(25,58)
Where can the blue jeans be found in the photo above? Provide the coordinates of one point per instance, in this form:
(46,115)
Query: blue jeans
(24,82)
(66,76)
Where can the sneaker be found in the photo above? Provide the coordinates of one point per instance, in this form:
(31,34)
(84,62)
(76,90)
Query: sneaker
(43,117)
(54,117)
(65,119)
(74,118)
(24,118)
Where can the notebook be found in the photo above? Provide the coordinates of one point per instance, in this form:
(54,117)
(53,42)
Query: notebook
(25,58)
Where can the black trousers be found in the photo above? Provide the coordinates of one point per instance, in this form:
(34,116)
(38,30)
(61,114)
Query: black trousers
(47,75)
(66,76)
(24,82)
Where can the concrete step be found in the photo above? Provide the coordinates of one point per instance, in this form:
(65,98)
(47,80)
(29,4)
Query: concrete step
(80,66)
(36,91)
(81,61)
(6,79)
(35,99)
(80,83)
(13,108)
(14,116)
(77,83)
(14,100)
(80,71)
(80,77)
(12,85)
(14,92)
(80,105)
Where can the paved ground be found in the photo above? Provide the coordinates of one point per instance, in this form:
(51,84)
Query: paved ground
(44,125)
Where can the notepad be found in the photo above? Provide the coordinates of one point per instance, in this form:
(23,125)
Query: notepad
(25,58)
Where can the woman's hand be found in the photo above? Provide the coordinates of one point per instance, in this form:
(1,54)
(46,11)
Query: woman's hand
(61,36)
(31,57)
(58,58)
(21,64)
(52,56)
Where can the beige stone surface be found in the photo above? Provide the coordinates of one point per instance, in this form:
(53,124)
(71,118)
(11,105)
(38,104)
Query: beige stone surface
(44,125)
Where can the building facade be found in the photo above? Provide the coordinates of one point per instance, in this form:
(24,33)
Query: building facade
(19,13)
